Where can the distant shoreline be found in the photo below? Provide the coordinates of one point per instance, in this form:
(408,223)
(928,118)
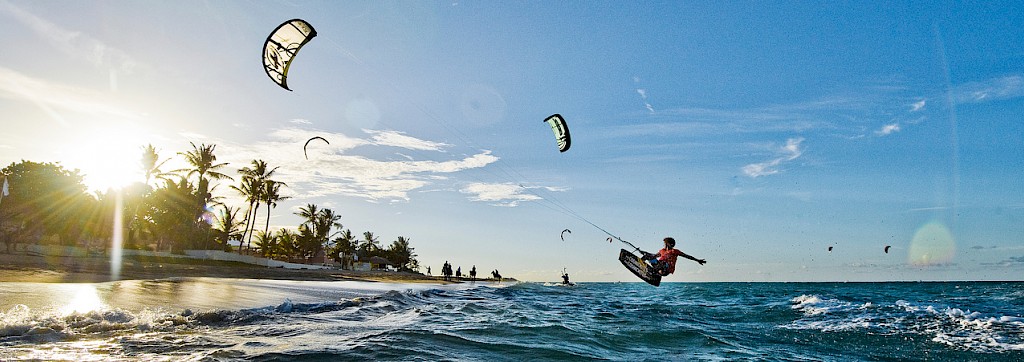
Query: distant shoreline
(63,269)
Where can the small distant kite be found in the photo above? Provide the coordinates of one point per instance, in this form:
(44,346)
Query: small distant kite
(563,233)
(281,47)
(561,131)
(887,248)
(307,145)
(830,249)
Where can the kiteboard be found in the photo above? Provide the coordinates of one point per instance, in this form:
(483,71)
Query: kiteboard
(639,267)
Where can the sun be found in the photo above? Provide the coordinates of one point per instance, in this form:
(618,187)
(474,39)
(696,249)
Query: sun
(108,159)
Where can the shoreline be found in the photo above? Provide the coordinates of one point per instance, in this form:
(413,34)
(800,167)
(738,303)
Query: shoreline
(25,268)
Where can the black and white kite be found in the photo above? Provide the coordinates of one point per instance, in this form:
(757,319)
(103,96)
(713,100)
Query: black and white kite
(281,47)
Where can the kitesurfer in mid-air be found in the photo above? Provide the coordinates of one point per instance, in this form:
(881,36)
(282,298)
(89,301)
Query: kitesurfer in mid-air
(664,262)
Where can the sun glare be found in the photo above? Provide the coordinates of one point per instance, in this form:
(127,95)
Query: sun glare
(82,298)
(107,159)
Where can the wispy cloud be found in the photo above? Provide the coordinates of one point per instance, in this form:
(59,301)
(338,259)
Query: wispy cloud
(399,139)
(789,152)
(55,98)
(499,194)
(352,166)
(72,43)
(1010,262)
(933,208)
(1006,87)
(917,106)
(888,129)
(643,95)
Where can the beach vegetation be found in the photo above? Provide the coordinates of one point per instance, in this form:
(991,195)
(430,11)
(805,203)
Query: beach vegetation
(42,203)
(402,255)
(177,210)
(227,226)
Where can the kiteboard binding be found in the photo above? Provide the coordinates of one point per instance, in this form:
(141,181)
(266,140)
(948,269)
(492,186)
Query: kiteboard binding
(639,267)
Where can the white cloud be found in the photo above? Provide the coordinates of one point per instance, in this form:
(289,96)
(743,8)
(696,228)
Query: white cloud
(643,96)
(500,194)
(790,152)
(336,168)
(917,106)
(888,129)
(399,139)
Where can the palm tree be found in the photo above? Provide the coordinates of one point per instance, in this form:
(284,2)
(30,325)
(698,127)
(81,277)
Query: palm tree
(326,220)
(370,246)
(344,243)
(250,190)
(151,163)
(310,213)
(137,194)
(266,243)
(228,226)
(255,186)
(172,212)
(287,244)
(202,160)
(271,195)
(402,254)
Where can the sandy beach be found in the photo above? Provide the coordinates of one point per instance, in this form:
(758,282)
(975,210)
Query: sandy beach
(44,269)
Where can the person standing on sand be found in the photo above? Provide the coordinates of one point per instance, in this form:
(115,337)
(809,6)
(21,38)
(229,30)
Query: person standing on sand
(472,273)
(458,273)
(428,270)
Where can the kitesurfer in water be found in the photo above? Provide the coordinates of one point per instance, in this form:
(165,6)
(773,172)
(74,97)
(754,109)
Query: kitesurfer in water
(565,278)
(664,262)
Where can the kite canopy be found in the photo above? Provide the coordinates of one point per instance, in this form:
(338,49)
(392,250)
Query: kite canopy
(561,131)
(563,233)
(307,145)
(281,47)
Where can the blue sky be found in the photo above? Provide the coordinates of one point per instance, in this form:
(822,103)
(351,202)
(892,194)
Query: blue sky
(757,134)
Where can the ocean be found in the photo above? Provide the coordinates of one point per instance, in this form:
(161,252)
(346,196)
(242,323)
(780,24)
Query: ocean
(211,319)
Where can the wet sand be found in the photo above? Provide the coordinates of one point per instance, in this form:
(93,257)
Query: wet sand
(50,269)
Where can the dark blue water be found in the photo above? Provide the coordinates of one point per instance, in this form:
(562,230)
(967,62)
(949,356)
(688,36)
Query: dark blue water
(221,319)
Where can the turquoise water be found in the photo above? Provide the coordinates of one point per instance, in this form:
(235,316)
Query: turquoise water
(222,319)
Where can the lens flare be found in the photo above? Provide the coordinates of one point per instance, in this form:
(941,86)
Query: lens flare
(209,215)
(933,244)
(117,239)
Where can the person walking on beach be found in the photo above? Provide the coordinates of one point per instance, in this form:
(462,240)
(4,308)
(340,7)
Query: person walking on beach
(428,270)
(664,262)
(472,273)
(458,273)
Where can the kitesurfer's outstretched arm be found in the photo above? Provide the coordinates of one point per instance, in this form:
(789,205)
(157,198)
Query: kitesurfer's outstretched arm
(688,256)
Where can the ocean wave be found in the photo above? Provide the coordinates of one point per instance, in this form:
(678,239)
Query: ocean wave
(957,328)
(530,321)
(20,323)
